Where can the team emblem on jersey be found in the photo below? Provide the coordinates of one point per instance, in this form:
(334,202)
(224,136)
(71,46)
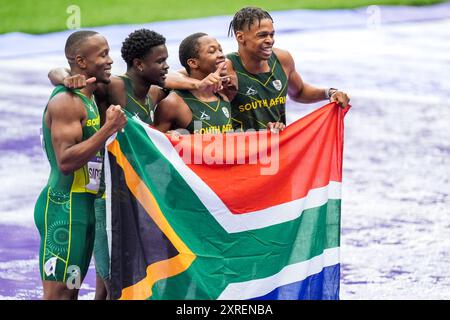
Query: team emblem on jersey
(204,116)
(277,84)
(251,91)
(226,112)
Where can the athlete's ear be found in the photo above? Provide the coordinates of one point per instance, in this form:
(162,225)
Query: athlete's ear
(80,61)
(240,37)
(192,63)
(138,65)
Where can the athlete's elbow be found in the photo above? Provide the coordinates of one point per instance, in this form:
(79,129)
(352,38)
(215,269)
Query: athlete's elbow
(66,167)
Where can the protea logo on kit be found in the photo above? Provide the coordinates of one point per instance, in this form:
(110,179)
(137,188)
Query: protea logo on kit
(277,84)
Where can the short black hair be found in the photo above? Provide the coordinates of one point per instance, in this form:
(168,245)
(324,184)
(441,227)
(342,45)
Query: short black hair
(245,18)
(74,42)
(139,43)
(189,49)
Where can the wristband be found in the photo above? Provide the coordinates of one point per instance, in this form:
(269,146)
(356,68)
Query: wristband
(330,92)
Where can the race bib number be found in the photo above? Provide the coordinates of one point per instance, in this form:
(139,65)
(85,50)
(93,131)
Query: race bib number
(94,166)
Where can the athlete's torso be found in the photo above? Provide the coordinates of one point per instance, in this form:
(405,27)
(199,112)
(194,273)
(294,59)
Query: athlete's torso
(87,178)
(261,98)
(146,111)
(207,117)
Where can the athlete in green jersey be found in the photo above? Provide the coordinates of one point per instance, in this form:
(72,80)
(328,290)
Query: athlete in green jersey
(138,91)
(265,74)
(197,111)
(207,117)
(72,138)
(260,98)
(144,111)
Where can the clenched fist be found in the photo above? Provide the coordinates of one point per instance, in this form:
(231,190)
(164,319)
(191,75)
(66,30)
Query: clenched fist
(115,118)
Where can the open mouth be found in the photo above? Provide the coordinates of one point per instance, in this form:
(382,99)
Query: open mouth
(267,51)
(108,72)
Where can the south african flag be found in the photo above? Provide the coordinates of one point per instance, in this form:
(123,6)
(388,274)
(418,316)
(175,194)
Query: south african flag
(252,215)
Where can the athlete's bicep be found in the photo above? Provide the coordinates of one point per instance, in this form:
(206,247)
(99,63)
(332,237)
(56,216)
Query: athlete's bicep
(295,81)
(65,118)
(172,113)
(295,84)
(164,115)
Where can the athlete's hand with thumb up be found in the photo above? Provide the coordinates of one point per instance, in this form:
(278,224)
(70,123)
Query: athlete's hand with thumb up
(77,81)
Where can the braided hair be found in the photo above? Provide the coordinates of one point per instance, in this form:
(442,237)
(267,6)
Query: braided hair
(139,43)
(245,18)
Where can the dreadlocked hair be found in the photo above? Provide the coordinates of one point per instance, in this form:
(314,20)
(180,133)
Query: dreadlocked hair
(245,18)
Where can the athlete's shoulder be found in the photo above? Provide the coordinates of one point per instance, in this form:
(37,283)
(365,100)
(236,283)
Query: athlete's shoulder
(66,102)
(117,83)
(285,58)
(282,54)
(173,100)
(173,104)
(115,91)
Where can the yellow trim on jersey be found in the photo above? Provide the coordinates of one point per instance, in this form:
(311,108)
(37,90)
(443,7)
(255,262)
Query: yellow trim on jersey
(138,103)
(205,103)
(70,238)
(268,79)
(46,232)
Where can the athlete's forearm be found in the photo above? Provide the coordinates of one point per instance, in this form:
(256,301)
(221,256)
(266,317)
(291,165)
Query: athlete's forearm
(308,94)
(176,80)
(57,76)
(79,154)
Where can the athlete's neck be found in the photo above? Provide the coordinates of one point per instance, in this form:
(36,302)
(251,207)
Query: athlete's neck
(252,63)
(88,91)
(141,86)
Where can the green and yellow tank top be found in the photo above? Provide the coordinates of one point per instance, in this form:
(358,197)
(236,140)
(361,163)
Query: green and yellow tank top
(87,178)
(144,112)
(261,98)
(207,117)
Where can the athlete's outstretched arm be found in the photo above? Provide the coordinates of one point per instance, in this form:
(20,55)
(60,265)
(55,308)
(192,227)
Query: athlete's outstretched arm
(298,90)
(64,117)
(178,80)
(182,81)
(303,92)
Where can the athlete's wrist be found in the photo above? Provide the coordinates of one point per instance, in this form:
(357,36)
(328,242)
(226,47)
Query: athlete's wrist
(329,92)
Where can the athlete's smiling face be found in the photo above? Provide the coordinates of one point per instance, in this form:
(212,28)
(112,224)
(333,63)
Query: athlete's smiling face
(210,55)
(257,40)
(154,65)
(97,62)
